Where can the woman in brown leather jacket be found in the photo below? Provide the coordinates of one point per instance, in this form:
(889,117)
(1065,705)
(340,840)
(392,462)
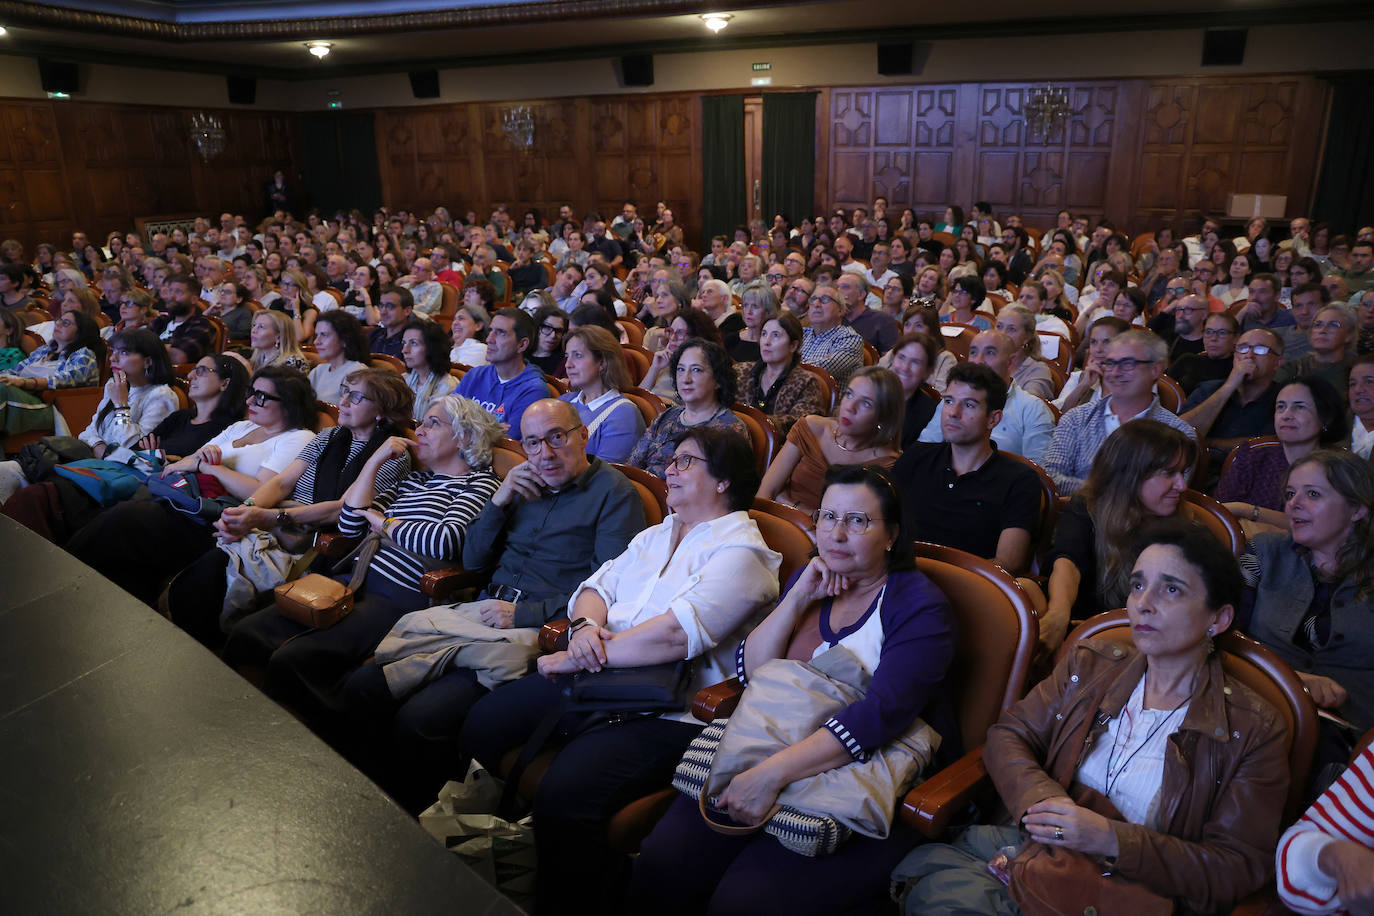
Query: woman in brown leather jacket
(1141,777)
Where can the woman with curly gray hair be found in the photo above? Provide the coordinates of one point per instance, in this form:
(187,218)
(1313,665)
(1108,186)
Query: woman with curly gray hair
(422,521)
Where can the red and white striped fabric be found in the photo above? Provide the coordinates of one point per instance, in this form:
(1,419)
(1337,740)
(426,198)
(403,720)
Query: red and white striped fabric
(1344,812)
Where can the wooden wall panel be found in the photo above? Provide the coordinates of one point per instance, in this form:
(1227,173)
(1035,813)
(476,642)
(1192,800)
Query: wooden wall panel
(588,153)
(97,167)
(1140,152)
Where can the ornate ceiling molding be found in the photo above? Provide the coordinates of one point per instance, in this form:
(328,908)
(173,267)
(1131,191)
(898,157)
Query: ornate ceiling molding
(20,12)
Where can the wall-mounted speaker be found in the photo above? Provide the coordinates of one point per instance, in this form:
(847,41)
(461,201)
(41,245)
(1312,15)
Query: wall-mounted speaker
(243,90)
(1223,47)
(424,84)
(59,76)
(895,58)
(637,69)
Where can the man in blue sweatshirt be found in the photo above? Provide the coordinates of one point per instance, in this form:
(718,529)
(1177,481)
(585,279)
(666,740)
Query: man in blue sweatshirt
(506,385)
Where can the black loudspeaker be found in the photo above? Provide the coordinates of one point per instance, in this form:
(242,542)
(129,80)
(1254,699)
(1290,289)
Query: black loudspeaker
(637,69)
(896,58)
(58,76)
(1223,47)
(243,90)
(424,84)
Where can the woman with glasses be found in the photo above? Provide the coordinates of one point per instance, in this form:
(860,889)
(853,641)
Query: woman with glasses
(342,348)
(897,294)
(295,303)
(687,324)
(685,589)
(422,520)
(666,300)
(1308,414)
(551,325)
(261,540)
(141,543)
(274,343)
(1333,335)
(703,379)
(863,596)
(424,349)
(71,360)
(866,428)
(965,295)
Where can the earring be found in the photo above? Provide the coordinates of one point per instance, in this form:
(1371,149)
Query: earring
(1211,646)
(720,488)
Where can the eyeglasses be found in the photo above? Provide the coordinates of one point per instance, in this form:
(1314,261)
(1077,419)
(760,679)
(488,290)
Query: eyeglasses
(1218,332)
(353,396)
(1126,364)
(1257,349)
(825,300)
(683,462)
(552,329)
(854,522)
(259,398)
(554,439)
(1177,289)
(202,371)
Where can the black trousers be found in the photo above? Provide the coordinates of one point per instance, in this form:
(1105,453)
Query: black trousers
(196,598)
(140,544)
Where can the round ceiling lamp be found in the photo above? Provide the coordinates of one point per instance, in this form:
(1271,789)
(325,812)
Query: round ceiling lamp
(716,21)
(319,48)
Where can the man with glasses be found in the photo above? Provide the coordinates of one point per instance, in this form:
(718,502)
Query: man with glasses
(828,342)
(396,307)
(1228,412)
(878,272)
(798,295)
(1180,319)
(776,280)
(426,294)
(1204,277)
(1135,361)
(1214,363)
(794,264)
(873,324)
(963,492)
(506,386)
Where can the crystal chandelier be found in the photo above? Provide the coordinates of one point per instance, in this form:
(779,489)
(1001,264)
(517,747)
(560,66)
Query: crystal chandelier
(518,124)
(1046,110)
(207,133)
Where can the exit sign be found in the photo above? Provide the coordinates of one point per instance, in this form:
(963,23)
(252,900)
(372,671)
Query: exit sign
(762,65)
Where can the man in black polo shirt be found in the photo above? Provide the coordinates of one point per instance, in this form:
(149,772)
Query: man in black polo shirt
(397,306)
(962,492)
(1241,406)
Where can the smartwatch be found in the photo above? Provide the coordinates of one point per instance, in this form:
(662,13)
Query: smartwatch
(578,624)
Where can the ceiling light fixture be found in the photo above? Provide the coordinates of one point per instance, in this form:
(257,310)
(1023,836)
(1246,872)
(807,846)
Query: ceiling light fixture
(716,21)
(3,31)
(319,48)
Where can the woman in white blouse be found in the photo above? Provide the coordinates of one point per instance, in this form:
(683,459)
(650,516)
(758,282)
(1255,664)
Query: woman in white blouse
(137,396)
(687,588)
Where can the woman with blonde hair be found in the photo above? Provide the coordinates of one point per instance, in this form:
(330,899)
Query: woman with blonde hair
(1027,368)
(1057,301)
(295,302)
(866,428)
(273,339)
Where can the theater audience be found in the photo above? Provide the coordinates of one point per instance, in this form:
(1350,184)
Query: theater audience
(1134,361)
(827,341)
(1193,825)
(596,376)
(1220,333)
(1361,396)
(1227,413)
(1325,861)
(963,492)
(395,310)
(281,420)
(1139,473)
(704,379)
(72,359)
(470,323)
(911,362)
(261,540)
(686,589)
(1028,370)
(1332,337)
(274,343)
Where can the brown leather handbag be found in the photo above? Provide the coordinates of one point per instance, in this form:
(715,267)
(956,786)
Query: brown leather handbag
(319,601)
(1053,881)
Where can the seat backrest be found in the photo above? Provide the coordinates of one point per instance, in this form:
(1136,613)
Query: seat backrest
(326,416)
(30,342)
(762,436)
(637,360)
(1043,535)
(1170,393)
(1257,668)
(1257,444)
(958,339)
(1216,518)
(179,388)
(503,459)
(830,392)
(1063,352)
(648,403)
(786,537)
(997,635)
(559,386)
(651,489)
(870,354)
(634,330)
(448,302)
(388,363)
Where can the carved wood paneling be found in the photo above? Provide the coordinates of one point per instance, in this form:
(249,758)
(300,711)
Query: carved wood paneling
(589,153)
(98,167)
(1140,152)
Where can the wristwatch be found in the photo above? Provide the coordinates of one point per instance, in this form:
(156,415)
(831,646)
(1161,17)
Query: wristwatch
(578,624)
(283,519)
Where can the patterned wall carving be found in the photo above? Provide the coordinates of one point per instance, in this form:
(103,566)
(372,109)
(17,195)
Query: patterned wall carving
(98,167)
(589,153)
(1138,151)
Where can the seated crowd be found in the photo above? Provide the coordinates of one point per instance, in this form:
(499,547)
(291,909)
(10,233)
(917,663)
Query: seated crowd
(541,454)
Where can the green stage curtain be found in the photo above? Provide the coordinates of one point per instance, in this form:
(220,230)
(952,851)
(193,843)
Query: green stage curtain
(789,155)
(722,166)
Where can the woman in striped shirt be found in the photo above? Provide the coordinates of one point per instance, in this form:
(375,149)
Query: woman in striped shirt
(422,520)
(1326,860)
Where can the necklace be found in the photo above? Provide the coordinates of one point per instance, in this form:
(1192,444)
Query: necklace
(836,437)
(1114,777)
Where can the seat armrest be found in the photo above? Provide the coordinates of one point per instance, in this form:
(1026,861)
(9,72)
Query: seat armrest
(553,636)
(1263,902)
(929,807)
(718,700)
(439,584)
